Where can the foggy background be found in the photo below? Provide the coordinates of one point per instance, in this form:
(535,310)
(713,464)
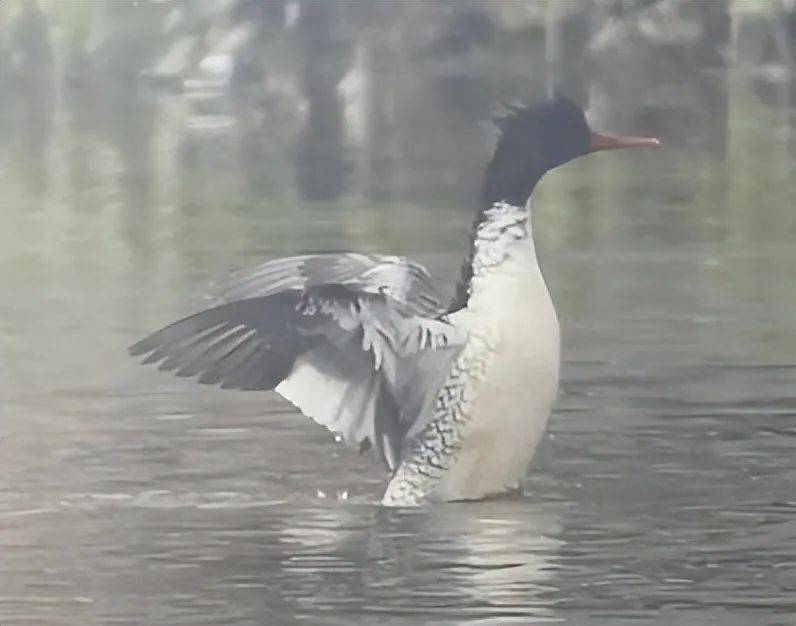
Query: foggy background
(147,147)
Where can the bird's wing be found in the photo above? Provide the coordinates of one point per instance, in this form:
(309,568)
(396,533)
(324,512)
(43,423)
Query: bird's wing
(351,357)
(398,278)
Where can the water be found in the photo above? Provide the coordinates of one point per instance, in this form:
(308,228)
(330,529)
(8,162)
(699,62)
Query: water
(662,494)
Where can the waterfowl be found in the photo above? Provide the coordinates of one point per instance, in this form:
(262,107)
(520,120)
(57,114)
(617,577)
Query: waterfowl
(454,397)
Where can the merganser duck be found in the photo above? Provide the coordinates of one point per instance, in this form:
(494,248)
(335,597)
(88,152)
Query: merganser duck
(454,397)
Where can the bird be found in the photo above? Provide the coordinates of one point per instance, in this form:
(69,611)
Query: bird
(452,396)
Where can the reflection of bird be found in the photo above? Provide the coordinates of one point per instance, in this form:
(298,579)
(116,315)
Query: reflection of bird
(454,398)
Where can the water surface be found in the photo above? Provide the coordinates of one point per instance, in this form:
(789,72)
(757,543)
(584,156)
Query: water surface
(662,494)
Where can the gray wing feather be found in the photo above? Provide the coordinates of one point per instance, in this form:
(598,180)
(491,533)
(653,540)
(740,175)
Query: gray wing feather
(399,278)
(239,345)
(361,357)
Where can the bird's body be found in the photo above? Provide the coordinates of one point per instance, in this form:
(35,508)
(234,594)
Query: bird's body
(507,374)
(454,397)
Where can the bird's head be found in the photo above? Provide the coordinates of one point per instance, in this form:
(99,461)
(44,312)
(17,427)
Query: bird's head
(534,140)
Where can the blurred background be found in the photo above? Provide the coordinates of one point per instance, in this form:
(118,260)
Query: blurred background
(148,146)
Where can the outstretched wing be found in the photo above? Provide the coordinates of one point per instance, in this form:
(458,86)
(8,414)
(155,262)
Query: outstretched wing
(349,355)
(398,278)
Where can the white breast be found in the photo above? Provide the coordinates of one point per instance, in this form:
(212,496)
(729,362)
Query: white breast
(514,402)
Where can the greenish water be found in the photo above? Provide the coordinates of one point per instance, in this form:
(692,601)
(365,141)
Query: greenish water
(663,493)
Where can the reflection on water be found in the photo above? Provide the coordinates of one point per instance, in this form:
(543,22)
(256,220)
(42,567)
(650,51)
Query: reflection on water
(663,493)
